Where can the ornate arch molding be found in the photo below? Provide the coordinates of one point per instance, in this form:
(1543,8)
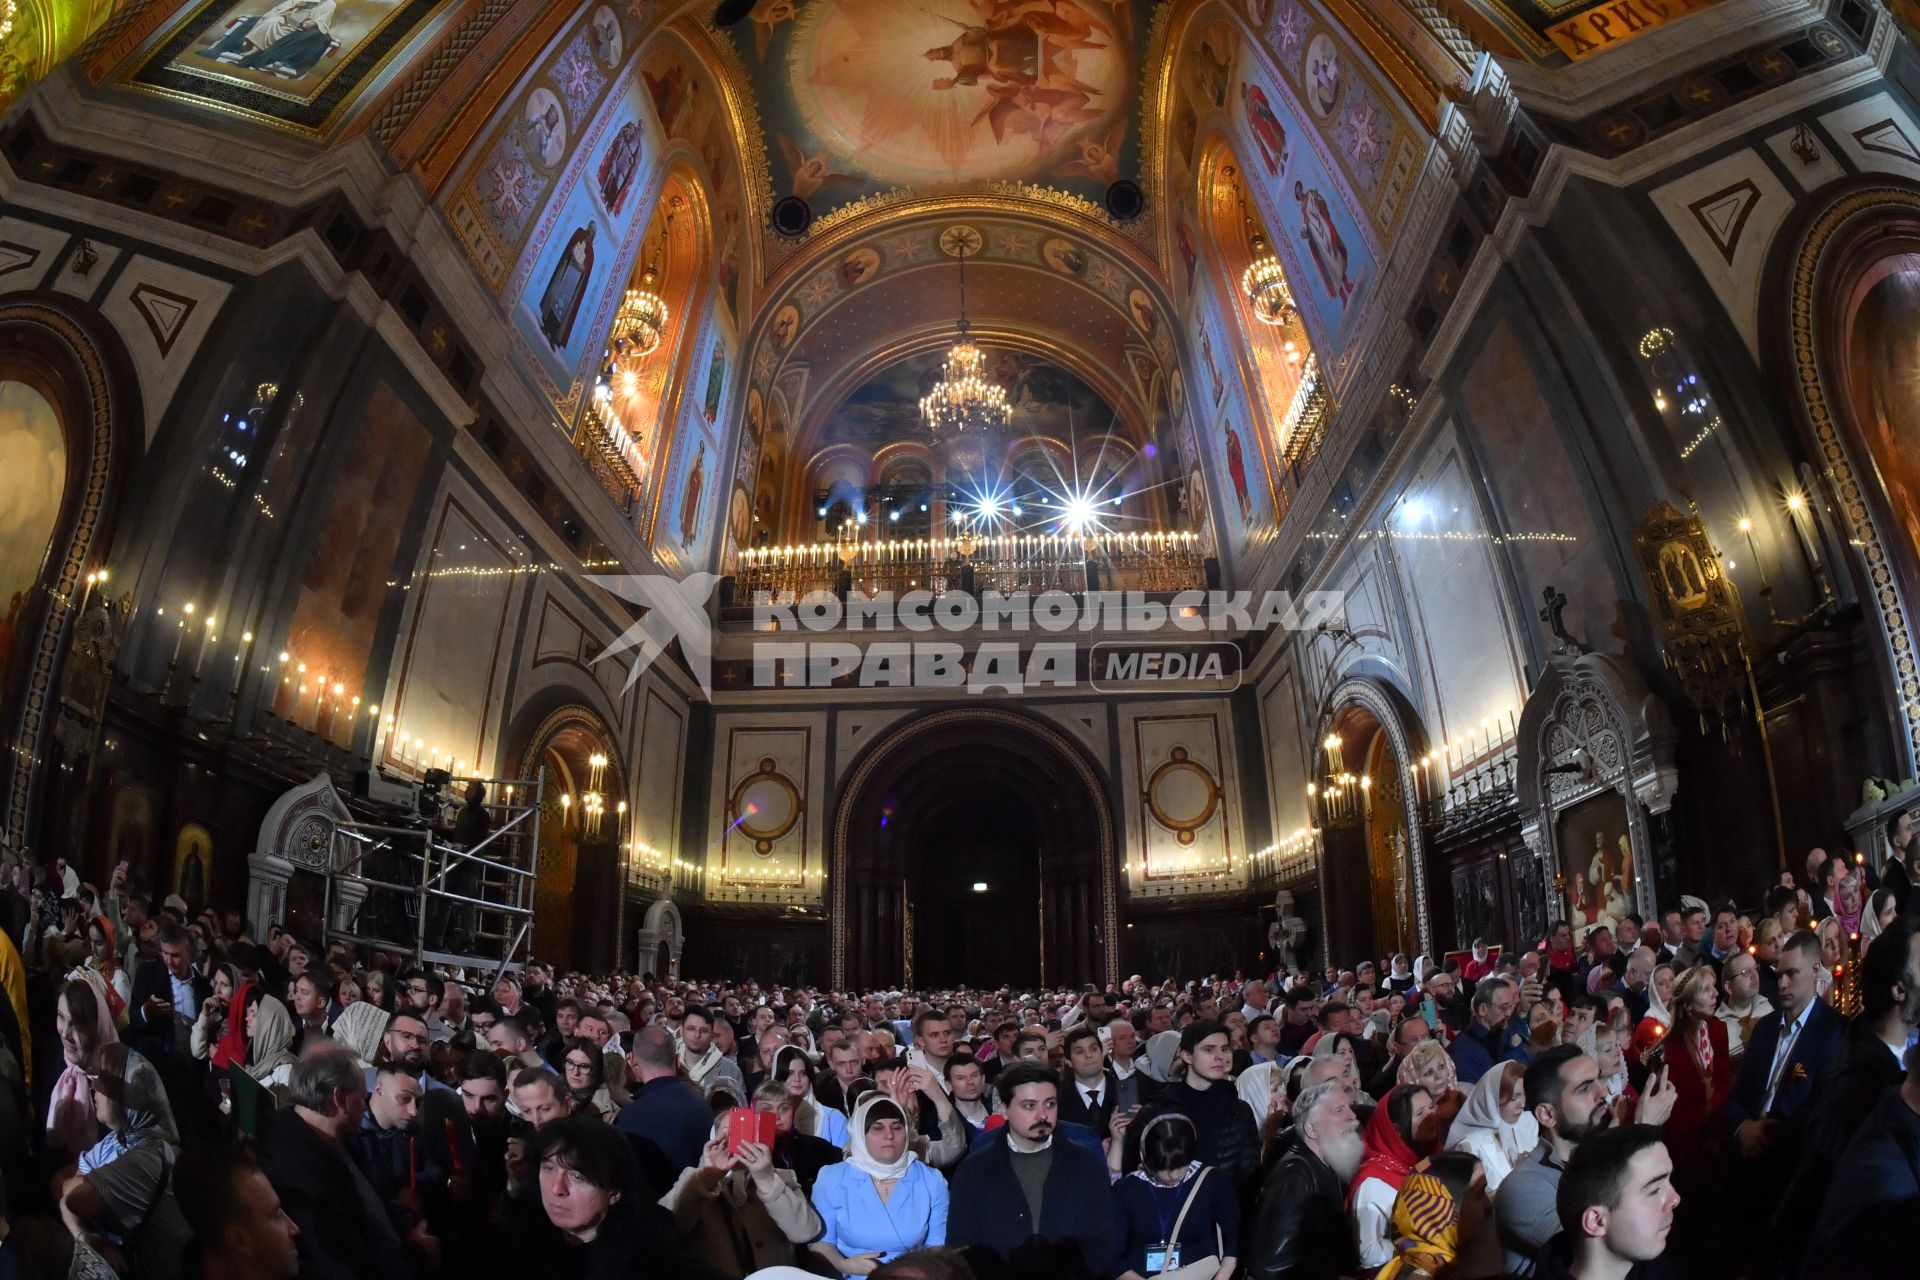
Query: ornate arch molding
(571,714)
(856,781)
(1836,247)
(1591,726)
(1401,725)
(662,923)
(84,378)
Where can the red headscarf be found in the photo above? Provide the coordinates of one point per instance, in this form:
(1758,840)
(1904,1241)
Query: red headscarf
(232,1049)
(1389,1156)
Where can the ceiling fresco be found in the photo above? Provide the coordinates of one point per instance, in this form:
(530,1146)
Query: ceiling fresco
(860,96)
(1047,401)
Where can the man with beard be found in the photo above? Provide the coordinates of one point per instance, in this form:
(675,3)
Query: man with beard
(1043,1206)
(1301,1230)
(1567,1097)
(404,1045)
(705,1064)
(1615,1206)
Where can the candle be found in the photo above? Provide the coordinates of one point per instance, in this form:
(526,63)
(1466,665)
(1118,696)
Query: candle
(179,634)
(206,637)
(240,661)
(1753,552)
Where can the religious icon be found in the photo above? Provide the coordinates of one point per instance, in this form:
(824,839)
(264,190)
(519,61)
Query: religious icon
(1323,75)
(192,864)
(1141,308)
(287,41)
(1207,70)
(1213,370)
(673,91)
(1596,861)
(1323,239)
(859,267)
(545,127)
(603,30)
(560,301)
(1237,471)
(1188,258)
(1268,133)
(690,502)
(1064,256)
(618,167)
(786,327)
(716,382)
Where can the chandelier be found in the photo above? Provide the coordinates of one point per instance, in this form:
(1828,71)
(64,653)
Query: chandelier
(965,406)
(641,321)
(1265,284)
(593,804)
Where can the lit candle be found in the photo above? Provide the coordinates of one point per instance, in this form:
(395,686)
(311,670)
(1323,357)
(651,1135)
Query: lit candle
(240,660)
(206,637)
(179,634)
(1753,552)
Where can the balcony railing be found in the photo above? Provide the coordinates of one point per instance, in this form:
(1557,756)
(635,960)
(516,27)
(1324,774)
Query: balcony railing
(1009,563)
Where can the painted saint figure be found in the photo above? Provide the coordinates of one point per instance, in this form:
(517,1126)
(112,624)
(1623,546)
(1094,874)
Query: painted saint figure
(618,167)
(690,504)
(560,301)
(1324,242)
(1268,133)
(288,40)
(1237,469)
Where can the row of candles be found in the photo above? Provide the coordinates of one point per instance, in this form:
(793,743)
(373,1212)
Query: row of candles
(1800,517)
(900,550)
(1476,763)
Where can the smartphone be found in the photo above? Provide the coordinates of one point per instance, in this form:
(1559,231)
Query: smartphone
(747,1125)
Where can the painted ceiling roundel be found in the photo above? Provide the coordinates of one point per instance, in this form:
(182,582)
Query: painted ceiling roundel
(859,96)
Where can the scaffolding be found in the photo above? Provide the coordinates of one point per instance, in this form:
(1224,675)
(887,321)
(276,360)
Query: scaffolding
(420,893)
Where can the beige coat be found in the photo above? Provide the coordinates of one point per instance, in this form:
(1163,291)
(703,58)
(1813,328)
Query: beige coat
(737,1224)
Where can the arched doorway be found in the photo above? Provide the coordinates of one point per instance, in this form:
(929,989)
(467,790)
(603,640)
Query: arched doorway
(966,798)
(578,895)
(68,419)
(1852,333)
(1375,891)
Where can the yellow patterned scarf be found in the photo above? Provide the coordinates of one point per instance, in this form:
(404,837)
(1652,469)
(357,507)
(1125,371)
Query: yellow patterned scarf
(1426,1228)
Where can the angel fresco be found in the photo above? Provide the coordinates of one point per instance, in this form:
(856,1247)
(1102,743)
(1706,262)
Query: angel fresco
(812,174)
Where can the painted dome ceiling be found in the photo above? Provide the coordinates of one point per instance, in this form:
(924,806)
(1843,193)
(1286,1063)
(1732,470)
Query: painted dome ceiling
(857,97)
(1047,401)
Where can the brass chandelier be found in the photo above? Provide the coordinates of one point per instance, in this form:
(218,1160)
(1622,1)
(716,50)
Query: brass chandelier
(641,322)
(965,406)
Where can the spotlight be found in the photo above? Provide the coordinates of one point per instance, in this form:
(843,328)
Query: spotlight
(893,515)
(1080,516)
(820,511)
(979,886)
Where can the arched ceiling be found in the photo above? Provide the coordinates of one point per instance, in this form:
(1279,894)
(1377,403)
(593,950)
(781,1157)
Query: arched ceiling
(885,409)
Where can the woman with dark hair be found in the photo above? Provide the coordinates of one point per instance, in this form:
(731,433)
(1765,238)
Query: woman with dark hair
(1174,1211)
(590,1190)
(584,1068)
(211,1026)
(119,1200)
(81,1022)
(882,1201)
(794,1071)
(1392,1149)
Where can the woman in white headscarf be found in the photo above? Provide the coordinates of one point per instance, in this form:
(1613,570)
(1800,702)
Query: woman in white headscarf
(1495,1125)
(359,1027)
(1257,1086)
(881,1201)
(794,1070)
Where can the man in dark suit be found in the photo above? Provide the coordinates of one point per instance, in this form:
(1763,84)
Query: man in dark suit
(1781,1076)
(167,995)
(1042,1205)
(1088,1089)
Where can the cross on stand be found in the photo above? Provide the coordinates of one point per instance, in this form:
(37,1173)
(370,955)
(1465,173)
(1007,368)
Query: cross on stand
(1552,615)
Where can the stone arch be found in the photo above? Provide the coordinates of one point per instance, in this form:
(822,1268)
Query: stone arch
(662,926)
(46,343)
(1822,272)
(1403,739)
(857,924)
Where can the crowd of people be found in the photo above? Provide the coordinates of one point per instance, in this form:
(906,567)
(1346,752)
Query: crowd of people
(1712,1093)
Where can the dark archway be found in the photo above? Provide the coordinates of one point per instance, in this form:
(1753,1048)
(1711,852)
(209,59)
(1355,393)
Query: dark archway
(579,890)
(964,797)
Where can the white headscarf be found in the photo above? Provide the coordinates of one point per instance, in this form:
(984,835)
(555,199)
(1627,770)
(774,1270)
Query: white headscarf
(1483,1112)
(1655,1009)
(857,1153)
(1423,968)
(1255,1087)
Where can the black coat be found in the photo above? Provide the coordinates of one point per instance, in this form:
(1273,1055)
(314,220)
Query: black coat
(1227,1137)
(1301,1230)
(329,1200)
(1865,1227)
(1077,1234)
(1821,1047)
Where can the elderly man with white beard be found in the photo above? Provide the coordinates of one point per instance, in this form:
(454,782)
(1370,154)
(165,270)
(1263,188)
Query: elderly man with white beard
(1301,1230)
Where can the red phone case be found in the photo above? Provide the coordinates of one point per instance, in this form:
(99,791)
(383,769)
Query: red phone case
(745,1125)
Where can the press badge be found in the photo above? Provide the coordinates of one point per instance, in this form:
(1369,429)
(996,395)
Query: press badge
(1161,1257)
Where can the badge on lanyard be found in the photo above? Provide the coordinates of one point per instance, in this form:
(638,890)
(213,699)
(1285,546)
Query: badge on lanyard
(1164,1256)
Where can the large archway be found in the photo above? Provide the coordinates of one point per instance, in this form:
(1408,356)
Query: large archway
(579,893)
(1375,890)
(959,799)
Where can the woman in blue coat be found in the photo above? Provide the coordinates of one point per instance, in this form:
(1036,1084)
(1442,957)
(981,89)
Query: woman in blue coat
(881,1201)
(1174,1199)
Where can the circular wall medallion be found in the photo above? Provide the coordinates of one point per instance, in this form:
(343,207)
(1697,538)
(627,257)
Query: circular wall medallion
(1182,796)
(764,806)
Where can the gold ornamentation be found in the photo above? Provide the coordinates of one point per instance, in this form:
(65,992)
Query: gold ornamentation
(765,805)
(1698,612)
(1183,825)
